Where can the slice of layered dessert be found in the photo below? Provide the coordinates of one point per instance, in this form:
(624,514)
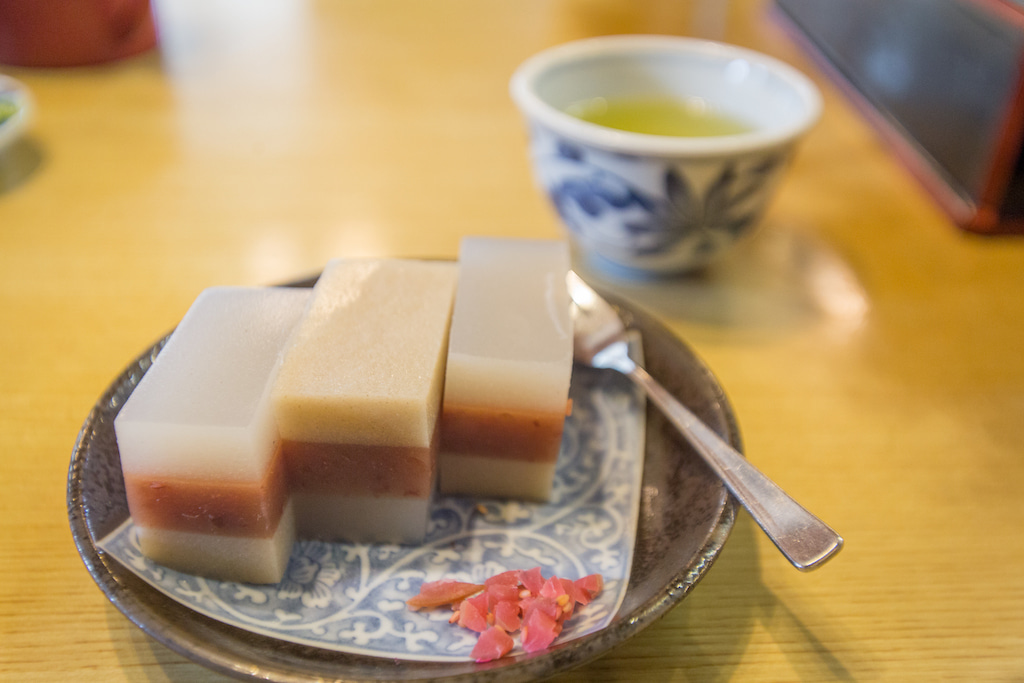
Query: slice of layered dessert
(200,452)
(508,370)
(359,396)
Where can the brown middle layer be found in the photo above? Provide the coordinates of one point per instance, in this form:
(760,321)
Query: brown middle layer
(511,435)
(361,470)
(224,508)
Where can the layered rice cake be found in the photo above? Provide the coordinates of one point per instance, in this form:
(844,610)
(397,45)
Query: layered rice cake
(359,396)
(201,456)
(508,370)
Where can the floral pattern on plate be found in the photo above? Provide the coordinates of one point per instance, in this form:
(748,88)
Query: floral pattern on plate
(351,597)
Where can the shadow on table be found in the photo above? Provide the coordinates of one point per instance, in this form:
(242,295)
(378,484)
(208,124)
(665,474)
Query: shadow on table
(780,280)
(18,162)
(708,633)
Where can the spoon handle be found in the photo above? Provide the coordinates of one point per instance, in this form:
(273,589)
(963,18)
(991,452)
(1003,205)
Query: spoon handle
(804,539)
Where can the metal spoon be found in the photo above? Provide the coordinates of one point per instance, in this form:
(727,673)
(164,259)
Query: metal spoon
(599,341)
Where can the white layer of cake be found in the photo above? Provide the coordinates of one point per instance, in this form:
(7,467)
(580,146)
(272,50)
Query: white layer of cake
(230,558)
(496,477)
(511,336)
(366,364)
(203,410)
(363,519)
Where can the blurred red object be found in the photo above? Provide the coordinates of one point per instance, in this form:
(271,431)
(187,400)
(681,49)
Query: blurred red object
(49,33)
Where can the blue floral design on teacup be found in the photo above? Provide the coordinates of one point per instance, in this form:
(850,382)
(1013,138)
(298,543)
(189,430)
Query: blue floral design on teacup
(653,214)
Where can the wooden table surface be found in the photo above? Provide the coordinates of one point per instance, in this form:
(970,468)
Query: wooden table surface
(873,353)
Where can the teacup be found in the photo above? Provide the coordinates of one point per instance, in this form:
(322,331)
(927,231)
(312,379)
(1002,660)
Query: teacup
(643,203)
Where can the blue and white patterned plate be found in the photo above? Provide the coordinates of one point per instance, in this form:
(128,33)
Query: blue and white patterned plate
(351,597)
(339,613)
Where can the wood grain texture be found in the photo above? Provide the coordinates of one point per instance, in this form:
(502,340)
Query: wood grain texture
(873,353)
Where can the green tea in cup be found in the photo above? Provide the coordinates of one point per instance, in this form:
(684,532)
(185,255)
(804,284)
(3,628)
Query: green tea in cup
(656,115)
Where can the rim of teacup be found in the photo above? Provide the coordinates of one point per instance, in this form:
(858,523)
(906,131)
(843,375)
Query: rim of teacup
(524,82)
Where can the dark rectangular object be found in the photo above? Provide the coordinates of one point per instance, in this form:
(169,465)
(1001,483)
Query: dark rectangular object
(943,81)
